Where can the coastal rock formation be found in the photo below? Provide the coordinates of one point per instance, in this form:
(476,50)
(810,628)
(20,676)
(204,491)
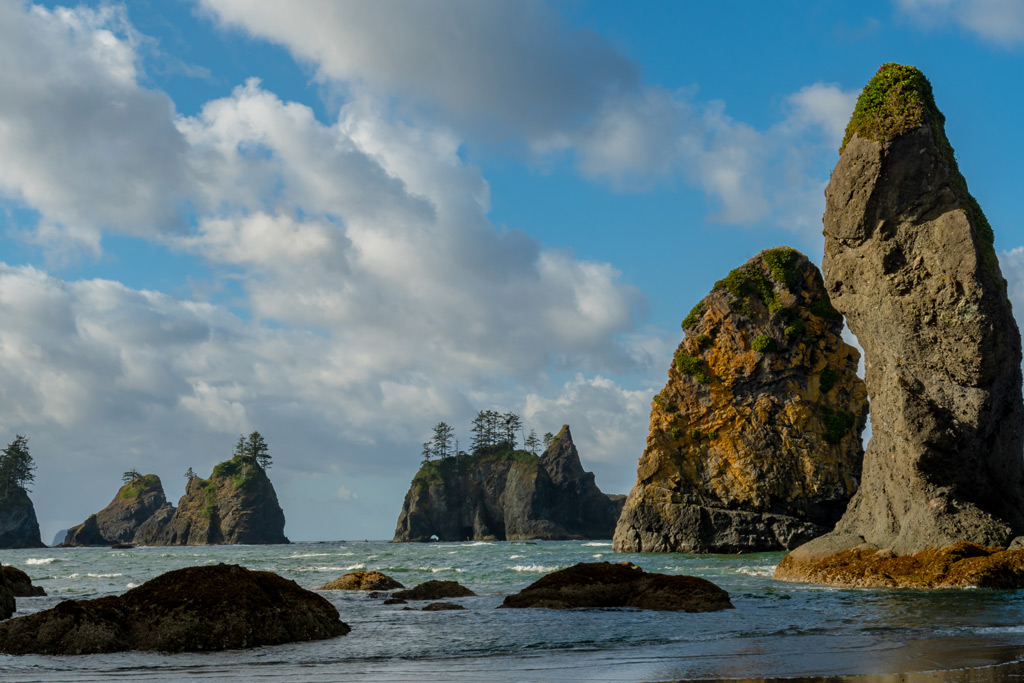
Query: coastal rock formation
(603,584)
(237,504)
(6,596)
(754,442)
(434,590)
(962,565)
(909,260)
(188,610)
(18,525)
(19,583)
(362,581)
(135,504)
(503,495)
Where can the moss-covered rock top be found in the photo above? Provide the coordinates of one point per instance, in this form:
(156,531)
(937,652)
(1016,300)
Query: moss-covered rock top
(240,470)
(137,487)
(898,99)
(441,469)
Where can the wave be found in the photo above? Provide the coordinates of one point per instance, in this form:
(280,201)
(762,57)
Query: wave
(516,557)
(534,568)
(41,560)
(350,568)
(598,545)
(435,570)
(131,585)
(76,575)
(298,555)
(757,571)
(476,543)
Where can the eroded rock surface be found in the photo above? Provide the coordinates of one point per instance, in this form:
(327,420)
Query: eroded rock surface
(754,442)
(194,609)
(434,590)
(6,596)
(20,584)
(909,260)
(19,527)
(237,504)
(134,505)
(362,581)
(603,584)
(503,495)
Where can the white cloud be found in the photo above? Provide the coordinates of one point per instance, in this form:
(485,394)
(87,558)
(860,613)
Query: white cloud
(82,143)
(1012,264)
(345,494)
(1000,21)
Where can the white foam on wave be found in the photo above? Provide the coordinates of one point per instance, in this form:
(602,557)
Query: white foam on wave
(533,568)
(104,576)
(756,571)
(298,555)
(598,545)
(41,560)
(516,557)
(597,556)
(435,570)
(131,585)
(476,543)
(350,568)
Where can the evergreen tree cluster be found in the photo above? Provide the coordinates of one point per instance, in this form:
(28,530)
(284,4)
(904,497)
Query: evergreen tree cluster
(16,467)
(490,429)
(254,448)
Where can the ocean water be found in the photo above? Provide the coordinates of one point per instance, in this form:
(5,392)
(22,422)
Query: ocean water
(778,630)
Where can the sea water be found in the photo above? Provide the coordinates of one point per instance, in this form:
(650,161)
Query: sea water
(776,629)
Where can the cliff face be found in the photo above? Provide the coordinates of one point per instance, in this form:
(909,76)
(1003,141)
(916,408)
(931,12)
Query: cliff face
(18,525)
(754,442)
(237,504)
(507,495)
(909,260)
(7,605)
(135,504)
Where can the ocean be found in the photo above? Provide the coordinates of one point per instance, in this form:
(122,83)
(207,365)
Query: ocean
(778,630)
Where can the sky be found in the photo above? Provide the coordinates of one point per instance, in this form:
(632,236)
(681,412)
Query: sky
(339,223)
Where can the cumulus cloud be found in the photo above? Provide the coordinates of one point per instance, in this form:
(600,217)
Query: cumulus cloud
(999,21)
(82,143)
(516,68)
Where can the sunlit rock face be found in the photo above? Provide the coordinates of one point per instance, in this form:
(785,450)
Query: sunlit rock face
(754,442)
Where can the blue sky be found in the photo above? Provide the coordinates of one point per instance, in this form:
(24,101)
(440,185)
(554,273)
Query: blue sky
(339,223)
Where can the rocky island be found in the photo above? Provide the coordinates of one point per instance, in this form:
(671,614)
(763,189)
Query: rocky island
(909,260)
(501,494)
(754,442)
(19,527)
(237,504)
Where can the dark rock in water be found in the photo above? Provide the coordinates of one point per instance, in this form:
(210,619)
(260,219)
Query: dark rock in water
(187,610)
(18,525)
(7,605)
(500,495)
(134,504)
(754,442)
(395,601)
(434,590)
(362,581)
(963,565)
(603,584)
(20,584)
(237,504)
(122,546)
(441,607)
(909,260)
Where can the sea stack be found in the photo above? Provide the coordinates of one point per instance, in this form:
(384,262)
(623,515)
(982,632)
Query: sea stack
(132,509)
(237,504)
(909,260)
(500,494)
(18,525)
(754,443)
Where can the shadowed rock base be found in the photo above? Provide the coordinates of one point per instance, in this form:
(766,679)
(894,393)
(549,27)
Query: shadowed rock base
(603,584)
(187,610)
(961,565)
(362,581)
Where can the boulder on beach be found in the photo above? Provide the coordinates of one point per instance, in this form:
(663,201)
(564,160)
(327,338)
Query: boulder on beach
(754,443)
(6,596)
(434,590)
(195,609)
(622,584)
(20,583)
(362,581)
(909,260)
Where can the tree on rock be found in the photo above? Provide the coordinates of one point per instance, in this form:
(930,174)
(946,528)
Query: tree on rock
(131,476)
(256,448)
(441,444)
(532,442)
(16,466)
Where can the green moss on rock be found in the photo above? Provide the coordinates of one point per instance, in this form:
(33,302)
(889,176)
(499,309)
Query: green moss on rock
(837,424)
(693,315)
(763,344)
(828,380)
(692,366)
(139,486)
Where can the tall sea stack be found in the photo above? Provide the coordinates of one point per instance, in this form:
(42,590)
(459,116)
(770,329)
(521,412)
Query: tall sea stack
(18,525)
(909,260)
(754,442)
